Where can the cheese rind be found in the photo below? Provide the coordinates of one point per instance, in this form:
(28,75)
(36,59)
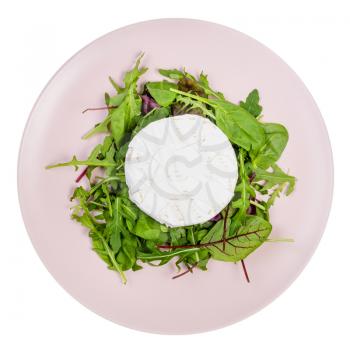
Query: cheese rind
(181,170)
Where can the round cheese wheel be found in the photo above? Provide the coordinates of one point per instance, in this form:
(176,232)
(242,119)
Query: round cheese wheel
(181,170)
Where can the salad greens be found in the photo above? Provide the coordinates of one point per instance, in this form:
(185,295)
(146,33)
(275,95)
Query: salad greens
(121,234)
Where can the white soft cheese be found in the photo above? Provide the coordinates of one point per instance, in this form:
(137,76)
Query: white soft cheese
(181,170)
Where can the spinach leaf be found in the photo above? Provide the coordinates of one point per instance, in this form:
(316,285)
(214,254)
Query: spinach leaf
(161,93)
(239,126)
(147,228)
(276,138)
(251,104)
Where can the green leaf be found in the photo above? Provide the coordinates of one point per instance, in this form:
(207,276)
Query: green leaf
(243,188)
(177,235)
(113,227)
(107,199)
(154,115)
(134,103)
(99,128)
(97,246)
(239,126)
(237,247)
(129,210)
(123,118)
(117,99)
(119,117)
(174,74)
(276,138)
(275,181)
(127,254)
(160,91)
(76,163)
(147,228)
(111,256)
(204,84)
(161,255)
(106,145)
(251,104)
(187,101)
(84,220)
(115,85)
(215,233)
(80,194)
(133,75)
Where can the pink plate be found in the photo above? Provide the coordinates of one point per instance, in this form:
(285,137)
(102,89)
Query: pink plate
(151,301)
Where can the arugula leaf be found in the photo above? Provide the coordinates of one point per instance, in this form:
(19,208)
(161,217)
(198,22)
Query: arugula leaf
(115,85)
(161,255)
(251,104)
(84,219)
(244,188)
(127,254)
(76,163)
(161,93)
(186,101)
(98,248)
(129,210)
(177,236)
(113,227)
(119,118)
(276,138)
(106,145)
(204,84)
(275,180)
(174,74)
(275,177)
(114,264)
(133,75)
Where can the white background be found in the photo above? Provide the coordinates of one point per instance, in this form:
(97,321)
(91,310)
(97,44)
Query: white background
(37,37)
